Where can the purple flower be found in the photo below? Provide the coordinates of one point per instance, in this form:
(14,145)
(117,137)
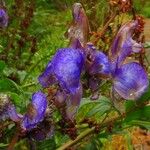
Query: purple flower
(44,130)
(78,31)
(97,62)
(3,18)
(130,81)
(8,110)
(14,116)
(124,45)
(36,111)
(65,69)
(97,68)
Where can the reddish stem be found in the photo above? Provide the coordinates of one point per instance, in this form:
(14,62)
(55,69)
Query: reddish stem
(99,35)
(14,139)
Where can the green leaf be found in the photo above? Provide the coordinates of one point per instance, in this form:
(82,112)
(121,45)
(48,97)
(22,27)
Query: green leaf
(93,145)
(7,85)
(2,66)
(138,114)
(17,99)
(144,124)
(129,105)
(100,108)
(2,145)
(48,144)
(89,107)
(147,45)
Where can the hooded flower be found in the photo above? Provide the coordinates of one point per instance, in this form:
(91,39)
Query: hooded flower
(36,111)
(124,45)
(129,80)
(65,70)
(79,29)
(3,18)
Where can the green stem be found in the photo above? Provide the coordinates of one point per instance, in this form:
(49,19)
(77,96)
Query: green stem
(29,85)
(82,126)
(73,142)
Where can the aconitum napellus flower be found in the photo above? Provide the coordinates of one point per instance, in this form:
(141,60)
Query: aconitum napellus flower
(79,29)
(123,44)
(97,66)
(130,80)
(35,112)
(65,70)
(3,18)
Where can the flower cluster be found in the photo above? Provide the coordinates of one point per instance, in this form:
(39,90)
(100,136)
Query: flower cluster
(66,69)
(35,114)
(68,65)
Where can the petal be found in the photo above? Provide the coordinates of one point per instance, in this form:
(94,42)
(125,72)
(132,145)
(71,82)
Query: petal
(14,116)
(99,65)
(131,81)
(67,65)
(75,43)
(123,44)
(73,103)
(36,111)
(80,27)
(47,78)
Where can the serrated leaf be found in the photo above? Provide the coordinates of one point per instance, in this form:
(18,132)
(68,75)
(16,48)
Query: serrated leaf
(100,108)
(88,107)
